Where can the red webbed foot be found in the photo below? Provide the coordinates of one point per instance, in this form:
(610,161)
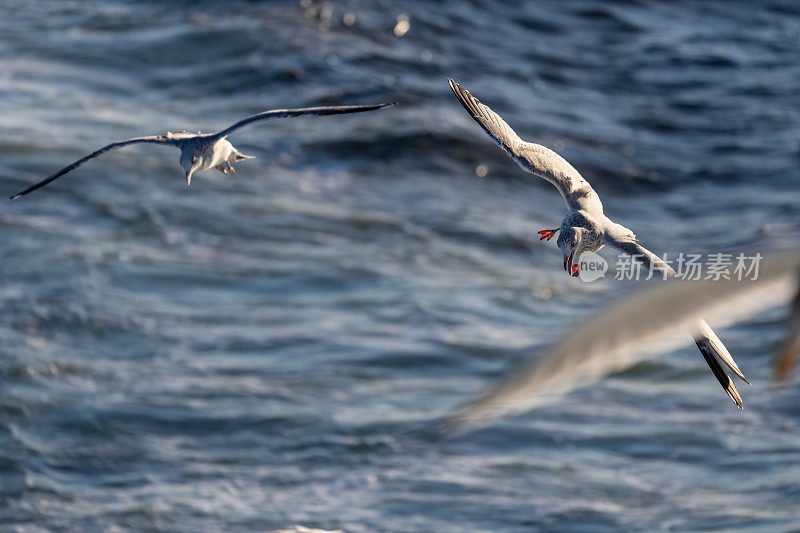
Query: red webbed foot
(547,234)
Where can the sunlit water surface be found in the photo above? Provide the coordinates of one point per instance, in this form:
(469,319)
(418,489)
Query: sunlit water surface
(264,349)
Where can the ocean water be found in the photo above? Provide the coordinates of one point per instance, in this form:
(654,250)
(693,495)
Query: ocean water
(267,349)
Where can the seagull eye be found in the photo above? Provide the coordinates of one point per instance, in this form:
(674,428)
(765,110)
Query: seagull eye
(194,160)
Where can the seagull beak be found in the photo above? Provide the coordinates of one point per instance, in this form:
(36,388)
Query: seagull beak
(568,262)
(189,177)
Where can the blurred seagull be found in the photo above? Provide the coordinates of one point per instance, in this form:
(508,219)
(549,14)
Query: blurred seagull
(786,363)
(202,151)
(613,339)
(585,228)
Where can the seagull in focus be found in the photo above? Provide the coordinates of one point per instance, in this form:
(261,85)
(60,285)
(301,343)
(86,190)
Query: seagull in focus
(615,338)
(585,228)
(203,151)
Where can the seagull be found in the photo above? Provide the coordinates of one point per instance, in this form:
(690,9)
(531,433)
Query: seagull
(202,151)
(585,228)
(612,339)
(786,362)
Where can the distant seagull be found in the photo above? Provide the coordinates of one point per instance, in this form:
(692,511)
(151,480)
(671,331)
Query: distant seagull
(612,339)
(585,228)
(202,151)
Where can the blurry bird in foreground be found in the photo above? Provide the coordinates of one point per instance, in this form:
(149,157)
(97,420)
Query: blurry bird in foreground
(586,228)
(786,363)
(649,322)
(202,151)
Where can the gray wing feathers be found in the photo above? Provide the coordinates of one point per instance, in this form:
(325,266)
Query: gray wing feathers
(155,139)
(284,113)
(648,259)
(534,158)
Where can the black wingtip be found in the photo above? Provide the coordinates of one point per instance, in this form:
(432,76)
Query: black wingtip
(454,86)
(457,89)
(23,193)
(724,379)
(465,97)
(367,107)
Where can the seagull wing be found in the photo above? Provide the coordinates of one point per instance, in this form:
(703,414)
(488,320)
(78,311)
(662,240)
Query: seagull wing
(284,113)
(534,158)
(710,345)
(612,339)
(154,139)
(631,246)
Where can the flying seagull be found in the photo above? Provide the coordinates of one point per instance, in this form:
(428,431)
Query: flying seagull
(585,228)
(614,338)
(202,151)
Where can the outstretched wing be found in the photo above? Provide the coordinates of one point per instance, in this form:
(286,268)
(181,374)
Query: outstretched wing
(284,113)
(647,323)
(154,139)
(707,341)
(631,246)
(534,158)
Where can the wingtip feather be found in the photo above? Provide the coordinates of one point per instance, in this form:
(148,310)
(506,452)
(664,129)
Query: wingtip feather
(733,394)
(469,102)
(725,380)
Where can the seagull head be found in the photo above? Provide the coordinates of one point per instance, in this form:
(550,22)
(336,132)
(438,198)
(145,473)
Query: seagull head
(190,163)
(569,240)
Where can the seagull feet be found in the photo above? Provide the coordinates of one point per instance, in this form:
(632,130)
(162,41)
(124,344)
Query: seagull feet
(572,268)
(225,168)
(547,233)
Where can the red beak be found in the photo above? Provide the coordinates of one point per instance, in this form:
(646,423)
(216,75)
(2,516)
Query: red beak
(568,263)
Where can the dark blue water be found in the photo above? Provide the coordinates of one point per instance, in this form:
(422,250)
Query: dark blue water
(264,349)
